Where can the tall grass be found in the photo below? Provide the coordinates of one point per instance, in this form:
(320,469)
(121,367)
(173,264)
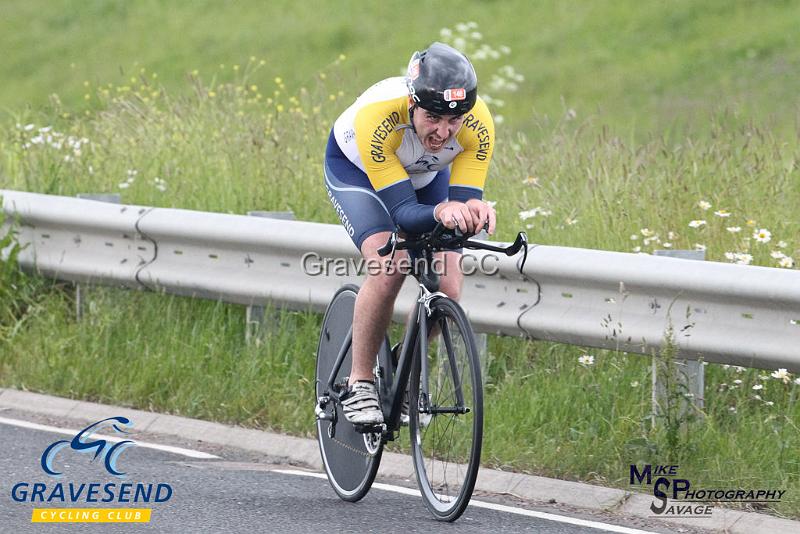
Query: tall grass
(653,65)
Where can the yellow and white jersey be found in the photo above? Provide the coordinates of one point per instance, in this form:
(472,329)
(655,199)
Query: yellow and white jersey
(376,135)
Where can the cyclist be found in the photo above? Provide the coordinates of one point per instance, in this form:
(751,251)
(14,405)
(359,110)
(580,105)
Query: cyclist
(411,151)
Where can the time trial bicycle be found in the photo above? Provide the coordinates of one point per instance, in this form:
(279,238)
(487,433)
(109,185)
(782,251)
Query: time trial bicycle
(436,369)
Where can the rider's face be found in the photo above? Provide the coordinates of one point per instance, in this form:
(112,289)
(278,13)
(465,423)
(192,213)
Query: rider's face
(435,130)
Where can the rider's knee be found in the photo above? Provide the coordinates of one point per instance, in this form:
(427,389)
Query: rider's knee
(452,278)
(451,287)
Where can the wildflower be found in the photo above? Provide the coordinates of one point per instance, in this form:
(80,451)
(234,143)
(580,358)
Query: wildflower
(781,374)
(738,257)
(704,205)
(763,377)
(446,33)
(698,246)
(734,229)
(586,359)
(797,381)
(124,185)
(786,262)
(538,210)
(666,245)
(762,235)
(722,213)
(757,397)
(697,223)
(750,222)
(777,254)
(646,232)
(531,180)
(769,403)
(29,127)
(634,237)
(737,382)
(635,384)
(732,409)
(781,244)
(758,387)
(739,369)
(672,236)
(570,221)
(636,249)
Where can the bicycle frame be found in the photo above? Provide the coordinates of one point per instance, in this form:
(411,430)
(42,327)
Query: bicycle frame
(414,343)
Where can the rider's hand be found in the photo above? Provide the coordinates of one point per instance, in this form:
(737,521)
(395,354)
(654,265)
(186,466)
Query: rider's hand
(454,214)
(482,213)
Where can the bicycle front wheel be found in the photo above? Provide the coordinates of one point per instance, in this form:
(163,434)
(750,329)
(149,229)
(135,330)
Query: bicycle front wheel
(446,413)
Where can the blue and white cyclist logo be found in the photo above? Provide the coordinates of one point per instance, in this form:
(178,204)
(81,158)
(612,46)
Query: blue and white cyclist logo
(100,447)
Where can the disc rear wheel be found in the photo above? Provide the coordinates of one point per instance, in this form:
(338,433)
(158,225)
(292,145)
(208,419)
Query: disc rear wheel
(351,459)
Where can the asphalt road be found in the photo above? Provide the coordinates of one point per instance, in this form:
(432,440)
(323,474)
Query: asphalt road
(236,493)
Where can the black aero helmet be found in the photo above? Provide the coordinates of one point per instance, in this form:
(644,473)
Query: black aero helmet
(442,80)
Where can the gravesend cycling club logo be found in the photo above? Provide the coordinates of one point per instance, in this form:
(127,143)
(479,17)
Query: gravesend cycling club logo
(675,496)
(100,446)
(106,450)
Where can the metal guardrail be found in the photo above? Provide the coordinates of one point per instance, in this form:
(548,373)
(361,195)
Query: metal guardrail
(735,314)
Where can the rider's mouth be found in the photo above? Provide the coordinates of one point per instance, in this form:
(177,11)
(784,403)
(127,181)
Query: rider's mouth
(435,143)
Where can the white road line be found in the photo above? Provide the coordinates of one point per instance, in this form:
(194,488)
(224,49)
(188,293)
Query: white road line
(67,431)
(499,507)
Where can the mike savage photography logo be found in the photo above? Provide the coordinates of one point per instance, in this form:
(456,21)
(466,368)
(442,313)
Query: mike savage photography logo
(678,497)
(106,450)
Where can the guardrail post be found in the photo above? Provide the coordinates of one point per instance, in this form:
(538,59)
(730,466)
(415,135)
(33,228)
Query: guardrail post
(80,291)
(689,374)
(254,314)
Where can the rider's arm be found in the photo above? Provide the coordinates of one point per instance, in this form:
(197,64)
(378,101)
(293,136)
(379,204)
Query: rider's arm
(378,139)
(470,168)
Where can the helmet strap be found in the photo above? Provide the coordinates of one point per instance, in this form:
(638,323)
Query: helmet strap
(411,116)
